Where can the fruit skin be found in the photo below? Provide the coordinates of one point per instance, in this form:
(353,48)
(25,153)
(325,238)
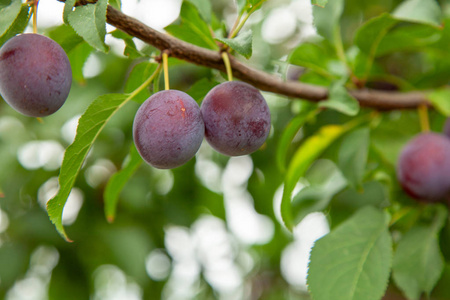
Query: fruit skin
(168,129)
(423,168)
(35,74)
(446,129)
(237,118)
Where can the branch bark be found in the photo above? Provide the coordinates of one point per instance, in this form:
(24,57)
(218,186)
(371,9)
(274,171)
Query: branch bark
(380,100)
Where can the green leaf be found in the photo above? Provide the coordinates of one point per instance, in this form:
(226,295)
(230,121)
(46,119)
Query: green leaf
(19,25)
(199,89)
(441,100)
(68,8)
(308,110)
(325,180)
(90,125)
(312,56)
(420,245)
(411,37)
(130,47)
(204,8)
(420,11)
(353,155)
(66,37)
(9,10)
(78,57)
(193,28)
(339,99)
(327,19)
(242,44)
(248,5)
(118,181)
(353,261)
(369,35)
(89,21)
(320,3)
(140,73)
(309,151)
(117,4)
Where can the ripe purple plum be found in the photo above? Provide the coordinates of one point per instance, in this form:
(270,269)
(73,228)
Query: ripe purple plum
(237,118)
(447,128)
(168,129)
(424,167)
(35,74)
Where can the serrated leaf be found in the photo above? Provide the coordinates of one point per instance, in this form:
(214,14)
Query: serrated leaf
(320,3)
(118,181)
(66,37)
(193,28)
(312,56)
(89,127)
(327,19)
(290,131)
(421,246)
(441,100)
(9,10)
(204,8)
(68,7)
(420,11)
(325,180)
(140,73)
(353,155)
(353,261)
(310,150)
(89,21)
(340,100)
(199,89)
(19,25)
(242,44)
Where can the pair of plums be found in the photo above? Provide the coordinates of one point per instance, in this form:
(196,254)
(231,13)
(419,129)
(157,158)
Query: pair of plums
(169,127)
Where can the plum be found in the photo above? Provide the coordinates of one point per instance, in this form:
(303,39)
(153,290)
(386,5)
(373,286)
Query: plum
(423,168)
(446,129)
(168,129)
(237,118)
(35,74)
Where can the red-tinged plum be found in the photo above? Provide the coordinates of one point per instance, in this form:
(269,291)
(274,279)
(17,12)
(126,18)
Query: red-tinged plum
(168,129)
(237,118)
(424,167)
(35,74)
(447,128)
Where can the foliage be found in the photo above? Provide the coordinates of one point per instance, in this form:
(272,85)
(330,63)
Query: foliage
(238,217)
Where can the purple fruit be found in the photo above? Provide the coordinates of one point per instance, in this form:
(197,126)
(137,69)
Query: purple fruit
(168,129)
(237,118)
(447,128)
(35,74)
(424,167)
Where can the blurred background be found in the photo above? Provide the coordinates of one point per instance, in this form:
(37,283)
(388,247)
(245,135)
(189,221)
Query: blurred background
(207,230)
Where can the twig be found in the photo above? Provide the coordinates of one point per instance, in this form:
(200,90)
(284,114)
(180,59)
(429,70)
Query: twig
(381,100)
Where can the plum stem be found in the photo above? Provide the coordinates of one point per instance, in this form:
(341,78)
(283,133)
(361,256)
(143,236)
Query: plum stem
(226,61)
(34,6)
(165,58)
(423,116)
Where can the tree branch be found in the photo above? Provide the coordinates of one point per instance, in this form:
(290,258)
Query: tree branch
(380,100)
